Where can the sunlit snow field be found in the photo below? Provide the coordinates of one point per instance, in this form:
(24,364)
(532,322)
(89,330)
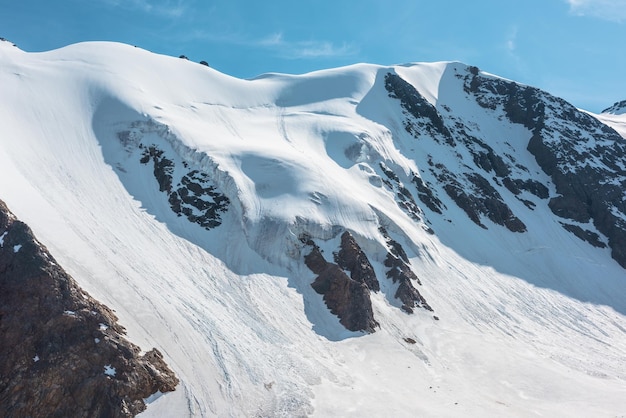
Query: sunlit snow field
(530,324)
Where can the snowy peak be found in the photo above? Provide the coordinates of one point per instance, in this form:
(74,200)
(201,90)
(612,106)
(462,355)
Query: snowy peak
(618,108)
(338,124)
(268,223)
(321,153)
(581,154)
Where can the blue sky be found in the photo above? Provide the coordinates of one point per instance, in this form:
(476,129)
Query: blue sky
(571,48)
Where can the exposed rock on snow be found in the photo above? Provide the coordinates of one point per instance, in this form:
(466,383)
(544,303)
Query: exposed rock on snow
(583,156)
(424,115)
(471,191)
(57,359)
(403,196)
(346,297)
(617,108)
(580,154)
(193,196)
(427,196)
(480,198)
(584,234)
(351,258)
(400,272)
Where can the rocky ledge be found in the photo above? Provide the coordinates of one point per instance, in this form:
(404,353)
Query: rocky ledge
(62,353)
(471,191)
(347,297)
(347,283)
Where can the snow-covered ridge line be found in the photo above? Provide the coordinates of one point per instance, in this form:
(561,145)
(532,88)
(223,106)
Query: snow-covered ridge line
(100,141)
(262,234)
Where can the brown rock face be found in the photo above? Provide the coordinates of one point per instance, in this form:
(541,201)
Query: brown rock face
(351,258)
(347,298)
(62,353)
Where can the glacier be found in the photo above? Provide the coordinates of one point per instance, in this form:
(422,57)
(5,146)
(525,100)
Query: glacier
(179,196)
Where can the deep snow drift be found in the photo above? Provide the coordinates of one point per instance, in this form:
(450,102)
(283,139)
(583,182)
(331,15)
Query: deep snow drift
(178,196)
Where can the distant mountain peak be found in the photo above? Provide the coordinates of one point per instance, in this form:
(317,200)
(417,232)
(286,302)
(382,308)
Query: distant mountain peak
(618,108)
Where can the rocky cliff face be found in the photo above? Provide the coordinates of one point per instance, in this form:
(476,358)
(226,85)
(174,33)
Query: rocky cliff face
(346,297)
(583,157)
(471,190)
(63,353)
(346,285)
(399,270)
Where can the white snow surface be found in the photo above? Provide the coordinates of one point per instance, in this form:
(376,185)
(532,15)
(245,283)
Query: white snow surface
(109,370)
(615,121)
(531,324)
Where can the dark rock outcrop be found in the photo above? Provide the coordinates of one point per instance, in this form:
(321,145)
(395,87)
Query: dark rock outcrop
(62,353)
(470,190)
(194,196)
(583,156)
(426,195)
(351,258)
(477,197)
(400,272)
(162,167)
(616,108)
(584,234)
(403,197)
(425,117)
(516,186)
(347,298)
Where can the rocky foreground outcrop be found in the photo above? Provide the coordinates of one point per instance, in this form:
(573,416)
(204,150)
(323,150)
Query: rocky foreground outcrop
(62,353)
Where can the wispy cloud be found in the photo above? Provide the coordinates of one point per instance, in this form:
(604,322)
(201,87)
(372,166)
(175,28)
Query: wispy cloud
(166,8)
(511,40)
(612,10)
(273,40)
(305,49)
(510,46)
(316,49)
(287,49)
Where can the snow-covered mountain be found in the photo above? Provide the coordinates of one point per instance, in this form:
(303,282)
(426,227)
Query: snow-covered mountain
(413,240)
(618,108)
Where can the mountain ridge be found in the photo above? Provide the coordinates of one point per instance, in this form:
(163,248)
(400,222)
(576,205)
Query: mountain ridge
(207,193)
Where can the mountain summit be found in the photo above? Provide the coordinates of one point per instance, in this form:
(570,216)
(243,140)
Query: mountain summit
(419,239)
(618,108)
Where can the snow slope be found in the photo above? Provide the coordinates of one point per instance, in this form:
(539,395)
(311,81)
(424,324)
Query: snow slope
(530,324)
